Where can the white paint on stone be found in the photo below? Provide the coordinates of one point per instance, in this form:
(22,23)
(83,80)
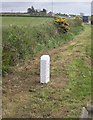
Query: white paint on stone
(45,69)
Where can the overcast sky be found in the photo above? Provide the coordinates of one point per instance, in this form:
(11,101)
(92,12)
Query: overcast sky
(46,0)
(68,6)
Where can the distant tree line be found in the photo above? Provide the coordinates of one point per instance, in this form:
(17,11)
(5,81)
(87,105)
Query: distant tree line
(34,11)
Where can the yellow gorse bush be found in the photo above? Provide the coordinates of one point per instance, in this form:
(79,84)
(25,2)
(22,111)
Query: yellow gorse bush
(78,18)
(62,23)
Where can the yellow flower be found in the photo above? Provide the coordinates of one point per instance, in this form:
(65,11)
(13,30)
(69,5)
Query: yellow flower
(63,23)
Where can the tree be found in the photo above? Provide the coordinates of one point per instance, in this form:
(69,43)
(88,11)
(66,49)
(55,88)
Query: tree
(32,10)
(29,10)
(44,10)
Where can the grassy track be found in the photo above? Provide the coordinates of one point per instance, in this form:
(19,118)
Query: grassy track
(68,90)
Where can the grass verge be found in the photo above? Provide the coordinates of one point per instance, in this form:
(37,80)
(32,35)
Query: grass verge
(23,42)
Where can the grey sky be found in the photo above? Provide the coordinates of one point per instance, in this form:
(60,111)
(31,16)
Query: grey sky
(63,7)
(46,0)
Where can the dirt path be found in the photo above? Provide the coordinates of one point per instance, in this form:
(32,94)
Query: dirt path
(24,96)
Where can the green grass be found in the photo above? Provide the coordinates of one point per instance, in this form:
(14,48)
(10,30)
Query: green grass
(69,88)
(78,88)
(25,37)
(25,21)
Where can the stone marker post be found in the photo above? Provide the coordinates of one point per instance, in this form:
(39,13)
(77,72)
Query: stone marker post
(44,69)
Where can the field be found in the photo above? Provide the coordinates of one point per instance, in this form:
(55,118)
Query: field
(69,88)
(25,21)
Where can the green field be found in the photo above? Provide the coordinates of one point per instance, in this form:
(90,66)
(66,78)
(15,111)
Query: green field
(25,21)
(69,88)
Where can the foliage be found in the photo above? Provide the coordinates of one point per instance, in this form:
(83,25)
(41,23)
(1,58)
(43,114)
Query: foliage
(67,92)
(62,24)
(21,43)
(44,10)
(33,11)
(78,21)
(76,25)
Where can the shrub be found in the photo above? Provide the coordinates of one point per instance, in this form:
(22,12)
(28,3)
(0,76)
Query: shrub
(76,25)
(78,21)
(62,24)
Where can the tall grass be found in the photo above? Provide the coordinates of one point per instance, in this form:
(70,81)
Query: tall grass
(25,42)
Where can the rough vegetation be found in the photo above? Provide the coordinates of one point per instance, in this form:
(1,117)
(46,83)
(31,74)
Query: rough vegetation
(62,24)
(67,92)
(24,42)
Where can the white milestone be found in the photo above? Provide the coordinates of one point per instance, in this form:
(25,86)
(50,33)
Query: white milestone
(44,69)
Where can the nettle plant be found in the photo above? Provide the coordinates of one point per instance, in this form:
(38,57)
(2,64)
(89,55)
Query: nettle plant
(62,24)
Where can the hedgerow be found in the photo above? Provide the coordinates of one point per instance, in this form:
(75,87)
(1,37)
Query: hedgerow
(23,43)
